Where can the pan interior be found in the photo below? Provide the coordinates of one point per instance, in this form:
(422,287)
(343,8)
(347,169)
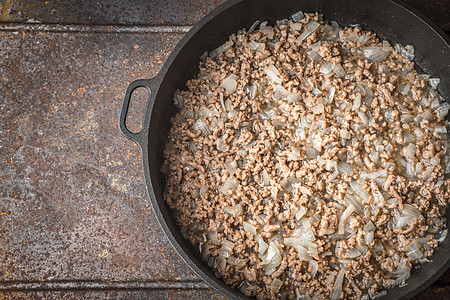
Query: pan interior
(388,19)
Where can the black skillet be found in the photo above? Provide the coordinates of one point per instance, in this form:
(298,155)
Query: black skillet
(393,20)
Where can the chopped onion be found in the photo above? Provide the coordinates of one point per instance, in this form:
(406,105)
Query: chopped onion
(276,285)
(356,102)
(410,151)
(229,83)
(230,184)
(227,249)
(258,47)
(215,53)
(363,39)
(339,70)
(300,212)
(203,126)
(231,167)
(212,236)
(293,97)
(267,30)
(360,191)
(249,228)
(369,227)
(314,56)
(343,219)
(377,174)
(273,255)
(352,253)
(298,16)
(314,268)
(311,27)
(363,118)
(327,69)
(406,53)
(178,99)
(368,238)
(345,134)
(344,168)
(350,200)
(302,253)
(262,245)
(403,273)
(273,73)
(434,82)
(337,289)
(362,249)
(376,53)
(230,210)
(307,233)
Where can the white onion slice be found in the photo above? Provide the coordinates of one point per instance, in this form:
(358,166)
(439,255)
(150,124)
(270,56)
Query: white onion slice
(249,228)
(276,284)
(376,53)
(222,48)
(360,191)
(314,268)
(262,245)
(273,73)
(337,289)
(343,219)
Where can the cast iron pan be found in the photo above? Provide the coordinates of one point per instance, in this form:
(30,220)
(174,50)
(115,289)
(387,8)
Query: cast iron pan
(393,20)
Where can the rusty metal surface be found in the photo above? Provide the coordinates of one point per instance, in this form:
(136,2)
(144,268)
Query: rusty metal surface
(75,221)
(152,12)
(148,12)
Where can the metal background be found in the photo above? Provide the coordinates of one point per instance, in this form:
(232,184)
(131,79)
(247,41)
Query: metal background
(75,221)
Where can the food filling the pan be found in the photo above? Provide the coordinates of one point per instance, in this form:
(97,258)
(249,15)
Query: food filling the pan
(308,161)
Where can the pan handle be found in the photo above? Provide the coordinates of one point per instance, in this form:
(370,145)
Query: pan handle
(151,85)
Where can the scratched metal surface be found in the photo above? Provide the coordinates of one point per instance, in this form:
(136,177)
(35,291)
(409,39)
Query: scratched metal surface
(75,221)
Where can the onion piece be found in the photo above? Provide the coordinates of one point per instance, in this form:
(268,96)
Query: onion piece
(356,102)
(229,83)
(350,200)
(298,16)
(314,268)
(307,233)
(276,284)
(267,30)
(258,47)
(343,219)
(352,253)
(303,253)
(337,289)
(311,27)
(376,53)
(202,126)
(339,70)
(344,168)
(212,236)
(273,255)
(345,134)
(360,191)
(369,227)
(230,185)
(327,69)
(249,228)
(262,245)
(406,53)
(222,48)
(273,73)
(227,249)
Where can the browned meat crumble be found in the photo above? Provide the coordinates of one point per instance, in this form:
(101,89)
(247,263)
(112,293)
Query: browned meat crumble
(309,161)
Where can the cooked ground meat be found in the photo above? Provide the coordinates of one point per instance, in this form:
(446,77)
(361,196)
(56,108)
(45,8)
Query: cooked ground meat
(307,159)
